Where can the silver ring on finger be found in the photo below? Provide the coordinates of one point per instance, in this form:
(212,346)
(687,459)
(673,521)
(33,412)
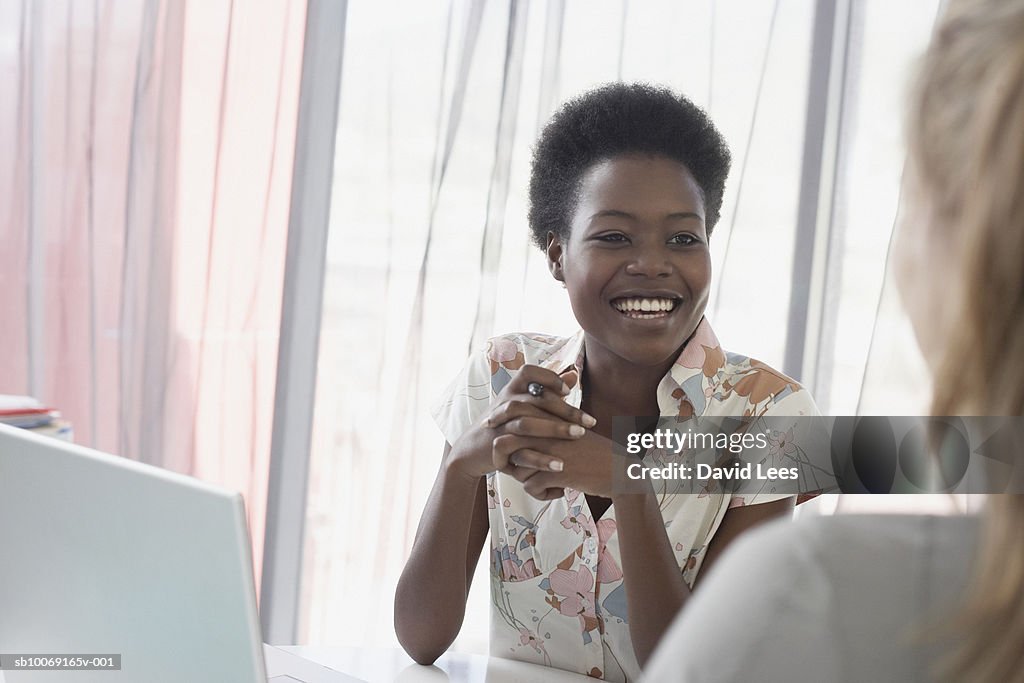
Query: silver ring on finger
(535,389)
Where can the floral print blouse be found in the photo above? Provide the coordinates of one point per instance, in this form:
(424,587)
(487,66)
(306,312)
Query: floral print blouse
(558,597)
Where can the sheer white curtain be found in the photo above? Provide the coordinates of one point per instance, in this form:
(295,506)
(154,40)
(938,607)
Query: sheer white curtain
(144,189)
(429,252)
(855,375)
(868,361)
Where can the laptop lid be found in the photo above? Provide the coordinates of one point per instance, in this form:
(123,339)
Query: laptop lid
(103,555)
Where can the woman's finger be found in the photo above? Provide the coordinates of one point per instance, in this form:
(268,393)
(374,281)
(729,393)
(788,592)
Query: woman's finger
(544,428)
(506,446)
(535,460)
(551,494)
(534,374)
(544,406)
(521,474)
(570,377)
(542,484)
(502,449)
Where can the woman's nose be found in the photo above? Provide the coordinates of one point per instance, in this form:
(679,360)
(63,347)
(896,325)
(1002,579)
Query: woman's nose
(650,262)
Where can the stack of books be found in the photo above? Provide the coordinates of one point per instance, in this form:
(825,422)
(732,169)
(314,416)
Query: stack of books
(28,413)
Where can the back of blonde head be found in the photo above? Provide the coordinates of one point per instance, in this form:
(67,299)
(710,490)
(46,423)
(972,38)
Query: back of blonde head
(966,137)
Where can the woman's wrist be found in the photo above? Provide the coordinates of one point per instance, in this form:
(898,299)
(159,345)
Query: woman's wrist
(628,491)
(459,466)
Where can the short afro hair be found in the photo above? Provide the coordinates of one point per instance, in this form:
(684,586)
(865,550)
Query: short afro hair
(611,121)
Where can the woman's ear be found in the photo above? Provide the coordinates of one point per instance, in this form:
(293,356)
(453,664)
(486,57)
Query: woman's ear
(554,253)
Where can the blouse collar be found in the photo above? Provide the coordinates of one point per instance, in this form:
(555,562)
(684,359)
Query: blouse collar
(702,356)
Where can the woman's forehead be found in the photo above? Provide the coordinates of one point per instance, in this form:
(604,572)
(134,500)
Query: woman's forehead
(638,185)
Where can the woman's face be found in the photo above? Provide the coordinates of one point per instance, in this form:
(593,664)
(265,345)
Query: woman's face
(637,242)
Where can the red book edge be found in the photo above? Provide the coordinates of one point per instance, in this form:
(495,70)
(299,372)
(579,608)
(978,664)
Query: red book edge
(25,411)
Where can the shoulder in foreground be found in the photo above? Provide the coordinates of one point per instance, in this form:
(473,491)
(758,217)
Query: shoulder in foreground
(777,549)
(817,539)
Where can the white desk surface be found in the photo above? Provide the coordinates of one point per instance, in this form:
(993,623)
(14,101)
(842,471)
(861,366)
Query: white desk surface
(392,665)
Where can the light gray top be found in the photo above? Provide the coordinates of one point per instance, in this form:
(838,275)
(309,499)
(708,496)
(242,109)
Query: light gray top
(823,599)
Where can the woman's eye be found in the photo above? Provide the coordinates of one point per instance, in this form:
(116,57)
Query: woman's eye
(612,237)
(683,239)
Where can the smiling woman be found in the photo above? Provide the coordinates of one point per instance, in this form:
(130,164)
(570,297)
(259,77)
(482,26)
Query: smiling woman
(626,187)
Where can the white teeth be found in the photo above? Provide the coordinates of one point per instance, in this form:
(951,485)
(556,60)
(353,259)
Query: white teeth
(646,305)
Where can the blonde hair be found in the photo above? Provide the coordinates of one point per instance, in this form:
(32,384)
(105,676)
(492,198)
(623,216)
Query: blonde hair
(966,138)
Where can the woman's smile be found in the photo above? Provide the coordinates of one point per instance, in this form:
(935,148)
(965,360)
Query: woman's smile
(653,306)
(650,314)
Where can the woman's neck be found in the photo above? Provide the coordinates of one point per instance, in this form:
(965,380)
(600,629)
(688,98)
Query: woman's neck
(612,386)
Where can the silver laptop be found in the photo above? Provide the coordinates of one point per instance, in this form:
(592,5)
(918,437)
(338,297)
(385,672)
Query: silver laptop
(103,556)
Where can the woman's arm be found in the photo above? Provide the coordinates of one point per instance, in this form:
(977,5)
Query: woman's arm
(740,519)
(430,600)
(655,590)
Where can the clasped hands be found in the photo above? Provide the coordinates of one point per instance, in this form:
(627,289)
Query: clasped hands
(541,441)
